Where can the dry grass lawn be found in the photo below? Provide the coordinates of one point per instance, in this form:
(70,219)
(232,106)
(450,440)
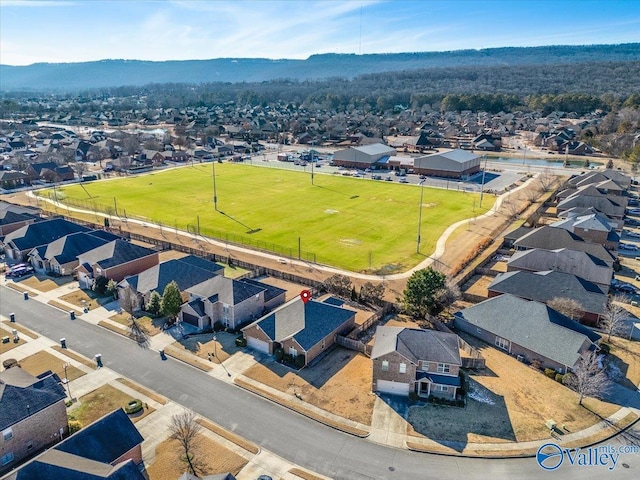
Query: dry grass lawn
(478,285)
(213,458)
(91,300)
(152,325)
(523,399)
(41,284)
(5,347)
(42,361)
(78,358)
(101,401)
(20,328)
(340,383)
(205,347)
(625,356)
(144,391)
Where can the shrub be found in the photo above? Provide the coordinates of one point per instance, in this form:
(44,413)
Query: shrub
(460,403)
(605,348)
(299,361)
(9,362)
(229,330)
(550,372)
(74,426)
(218,326)
(241,342)
(413,396)
(278,354)
(100,285)
(134,406)
(567,378)
(288,358)
(559,377)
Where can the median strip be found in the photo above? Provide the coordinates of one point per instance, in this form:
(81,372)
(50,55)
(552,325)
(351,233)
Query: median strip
(21,289)
(20,328)
(78,358)
(147,393)
(64,307)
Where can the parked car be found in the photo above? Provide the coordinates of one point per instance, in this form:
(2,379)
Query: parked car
(404,180)
(632,233)
(632,222)
(19,272)
(633,211)
(628,246)
(423,177)
(626,288)
(389,179)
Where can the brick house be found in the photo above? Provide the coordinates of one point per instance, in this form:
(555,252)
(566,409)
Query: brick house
(300,328)
(33,414)
(114,260)
(109,449)
(406,360)
(13,217)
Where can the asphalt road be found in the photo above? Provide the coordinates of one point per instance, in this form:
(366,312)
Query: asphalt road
(292,436)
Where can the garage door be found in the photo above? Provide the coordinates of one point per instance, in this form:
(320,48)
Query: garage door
(396,388)
(258,344)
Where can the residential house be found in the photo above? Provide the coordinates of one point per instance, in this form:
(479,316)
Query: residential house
(114,260)
(20,242)
(413,360)
(108,449)
(61,255)
(595,227)
(33,414)
(13,217)
(49,172)
(186,272)
(528,330)
(13,179)
(549,238)
(545,286)
(300,328)
(231,302)
(611,206)
(564,260)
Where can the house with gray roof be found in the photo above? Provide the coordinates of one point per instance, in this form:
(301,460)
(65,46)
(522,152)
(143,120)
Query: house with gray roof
(108,449)
(12,217)
(20,242)
(574,262)
(594,227)
(528,330)
(300,328)
(426,362)
(545,286)
(186,272)
(114,260)
(604,204)
(456,163)
(550,238)
(231,302)
(33,414)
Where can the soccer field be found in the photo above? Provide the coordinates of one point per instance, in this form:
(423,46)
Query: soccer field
(351,223)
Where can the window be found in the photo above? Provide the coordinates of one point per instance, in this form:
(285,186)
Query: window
(502,343)
(293,352)
(440,388)
(7,458)
(385,365)
(7,434)
(403,368)
(443,368)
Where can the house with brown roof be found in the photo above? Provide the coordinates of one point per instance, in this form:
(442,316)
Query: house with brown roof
(426,362)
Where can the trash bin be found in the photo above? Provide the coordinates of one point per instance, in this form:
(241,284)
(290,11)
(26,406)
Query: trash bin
(72,315)
(25,295)
(63,342)
(12,317)
(98,359)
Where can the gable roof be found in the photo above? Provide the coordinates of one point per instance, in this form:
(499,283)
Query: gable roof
(532,325)
(270,291)
(42,233)
(226,290)
(417,345)
(114,253)
(544,286)
(601,204)
(186,272)
(563,260)
(307,323)
(66,249)
(23,395)
(551,238)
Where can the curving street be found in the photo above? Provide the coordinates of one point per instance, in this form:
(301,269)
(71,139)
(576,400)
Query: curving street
(292,436)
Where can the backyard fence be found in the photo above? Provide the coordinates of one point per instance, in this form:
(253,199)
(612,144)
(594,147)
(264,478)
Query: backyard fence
(352,344)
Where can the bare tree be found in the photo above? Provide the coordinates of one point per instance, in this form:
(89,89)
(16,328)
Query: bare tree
(569,307)
(372,293)
(448,294)
(338,284)
(128,302)
(511,206)
(533,192)
(80,168)
(185,430)
(546,180)
(614,319)
(587,378)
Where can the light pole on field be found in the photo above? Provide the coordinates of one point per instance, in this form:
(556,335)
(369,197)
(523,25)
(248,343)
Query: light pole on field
(215,193)
(420,215)
(484,170)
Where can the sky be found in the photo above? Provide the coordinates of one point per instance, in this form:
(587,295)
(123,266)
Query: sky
(61,31)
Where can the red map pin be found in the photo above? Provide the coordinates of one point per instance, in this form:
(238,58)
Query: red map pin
(305,295)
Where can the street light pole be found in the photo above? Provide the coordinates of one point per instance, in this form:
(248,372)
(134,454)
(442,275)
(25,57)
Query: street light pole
(420,215)
(66,379)
(215,193)
(484,170)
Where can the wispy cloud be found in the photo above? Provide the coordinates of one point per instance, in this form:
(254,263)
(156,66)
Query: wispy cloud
(36,3)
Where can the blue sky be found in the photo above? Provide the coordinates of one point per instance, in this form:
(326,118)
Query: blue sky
(81,30)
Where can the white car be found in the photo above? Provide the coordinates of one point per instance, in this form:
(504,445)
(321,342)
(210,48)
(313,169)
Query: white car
(632,233)
(628,246)
(634,211)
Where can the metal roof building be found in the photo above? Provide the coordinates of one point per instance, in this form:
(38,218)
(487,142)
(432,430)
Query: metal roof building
(453,163)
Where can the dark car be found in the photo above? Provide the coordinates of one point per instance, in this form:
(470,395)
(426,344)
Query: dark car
(626,289)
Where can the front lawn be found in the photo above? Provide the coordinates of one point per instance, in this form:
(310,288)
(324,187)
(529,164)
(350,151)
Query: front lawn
(625,360)
(152,325)
(42,361)
(339,383)
(103,400)
(90,299)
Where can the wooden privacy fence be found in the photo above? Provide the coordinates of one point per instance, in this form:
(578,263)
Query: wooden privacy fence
(352,344)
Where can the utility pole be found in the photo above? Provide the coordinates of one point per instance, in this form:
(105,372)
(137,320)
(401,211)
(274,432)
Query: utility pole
(420,216)
(66,379)
(484,170)
(215,193)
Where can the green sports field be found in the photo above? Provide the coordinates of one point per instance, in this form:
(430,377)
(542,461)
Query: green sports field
(350,223)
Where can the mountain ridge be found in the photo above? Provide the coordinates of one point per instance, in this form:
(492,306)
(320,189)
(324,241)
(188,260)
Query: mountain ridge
(108,73)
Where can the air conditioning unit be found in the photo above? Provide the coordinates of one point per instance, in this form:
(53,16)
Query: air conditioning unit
(520,358)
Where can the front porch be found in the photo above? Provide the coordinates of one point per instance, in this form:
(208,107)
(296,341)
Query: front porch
(430,384)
